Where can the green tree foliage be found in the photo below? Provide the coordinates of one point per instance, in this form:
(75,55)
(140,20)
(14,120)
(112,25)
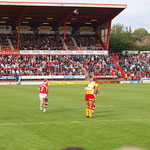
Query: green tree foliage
(122,38)
(139,33)
(144,48)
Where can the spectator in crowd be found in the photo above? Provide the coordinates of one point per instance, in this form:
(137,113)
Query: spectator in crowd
(55,65)
(134,66)
(50,42)
(88,42)
(4,41)
(37,41)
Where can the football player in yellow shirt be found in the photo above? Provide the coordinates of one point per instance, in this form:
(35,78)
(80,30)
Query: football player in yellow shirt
(90,97)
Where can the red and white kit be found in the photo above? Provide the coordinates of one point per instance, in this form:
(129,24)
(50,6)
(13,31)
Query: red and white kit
(43,90)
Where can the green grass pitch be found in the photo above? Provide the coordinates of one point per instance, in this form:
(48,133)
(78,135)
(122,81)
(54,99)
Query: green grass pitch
(122,118)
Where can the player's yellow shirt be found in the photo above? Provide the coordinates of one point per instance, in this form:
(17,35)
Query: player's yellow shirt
(90,87)
(96,84)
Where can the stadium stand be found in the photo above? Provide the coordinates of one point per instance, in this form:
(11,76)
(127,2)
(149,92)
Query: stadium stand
(4,44)
(38,41)
(88,42)
(50,42)
(55,65)
(135,66)
(70,44)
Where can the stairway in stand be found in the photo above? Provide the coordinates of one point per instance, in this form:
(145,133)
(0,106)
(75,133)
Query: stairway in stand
(115,63)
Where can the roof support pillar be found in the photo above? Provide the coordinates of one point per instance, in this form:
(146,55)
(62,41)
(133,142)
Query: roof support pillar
(20,17)
(19,34)
(108,35)
(65,20)
(64,36)
(101,41)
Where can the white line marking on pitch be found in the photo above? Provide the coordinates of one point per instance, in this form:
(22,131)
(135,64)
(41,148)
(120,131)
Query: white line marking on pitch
(79,107)
(72,122)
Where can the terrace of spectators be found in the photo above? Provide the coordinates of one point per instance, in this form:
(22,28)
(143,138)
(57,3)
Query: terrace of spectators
(49,42)
(135,65)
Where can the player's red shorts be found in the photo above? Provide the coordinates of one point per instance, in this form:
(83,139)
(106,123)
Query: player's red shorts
(89,97)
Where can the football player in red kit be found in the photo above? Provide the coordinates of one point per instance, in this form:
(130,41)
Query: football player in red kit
(43,89)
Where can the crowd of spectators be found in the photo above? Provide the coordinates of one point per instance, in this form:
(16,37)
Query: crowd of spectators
(4,41)
(55,65)
(133,65)
(69,43)
(88,42)
(50,42)
(37,41)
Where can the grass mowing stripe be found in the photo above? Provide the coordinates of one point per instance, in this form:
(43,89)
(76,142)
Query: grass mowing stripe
(75,107)
(72,122)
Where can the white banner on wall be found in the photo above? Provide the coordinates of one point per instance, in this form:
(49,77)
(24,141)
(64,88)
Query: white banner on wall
(9,83)
(124,82)
(54,77)
(146,81)
(143,52)
(62,52)
(31,83)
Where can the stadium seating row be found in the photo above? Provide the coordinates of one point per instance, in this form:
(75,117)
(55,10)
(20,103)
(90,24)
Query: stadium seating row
(49,42)
(134,66)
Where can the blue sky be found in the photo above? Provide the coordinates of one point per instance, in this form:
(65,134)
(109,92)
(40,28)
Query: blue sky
(136,14)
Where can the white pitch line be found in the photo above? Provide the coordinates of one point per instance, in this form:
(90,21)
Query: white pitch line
(72,122)
(78,107)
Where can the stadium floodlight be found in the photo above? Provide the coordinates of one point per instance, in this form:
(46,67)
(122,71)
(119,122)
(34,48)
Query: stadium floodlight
(76,11)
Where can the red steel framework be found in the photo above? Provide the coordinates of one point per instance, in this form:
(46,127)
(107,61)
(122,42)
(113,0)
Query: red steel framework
(62,12)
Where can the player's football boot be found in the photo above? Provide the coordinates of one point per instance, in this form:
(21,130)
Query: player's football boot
(44,110)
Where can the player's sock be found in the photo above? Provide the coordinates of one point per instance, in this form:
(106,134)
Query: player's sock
(45,106)
(87,111)
(41,104)
(93,108)
(90,112)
